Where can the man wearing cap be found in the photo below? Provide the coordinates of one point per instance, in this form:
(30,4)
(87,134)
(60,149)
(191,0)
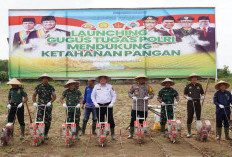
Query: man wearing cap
(49,30)
(103,94)
(222,99)
(46,96)
(15,103)
(166,96)
(186,22)
(194,93)
(89,107)
(208,34)
(168,23)
(20,38)
(140,90)
(73,98)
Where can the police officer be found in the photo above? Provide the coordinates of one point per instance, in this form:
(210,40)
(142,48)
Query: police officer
(15,104)
(166,96)
(222,100)
(139,90)
(20,38)
(46,96)
(103,94)
(193,92)
(73,98)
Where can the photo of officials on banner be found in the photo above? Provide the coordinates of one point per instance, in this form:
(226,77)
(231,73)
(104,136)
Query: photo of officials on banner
(118,42)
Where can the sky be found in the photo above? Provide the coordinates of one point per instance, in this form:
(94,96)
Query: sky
(223,20)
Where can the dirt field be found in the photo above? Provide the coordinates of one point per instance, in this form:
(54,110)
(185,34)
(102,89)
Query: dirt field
(154,145)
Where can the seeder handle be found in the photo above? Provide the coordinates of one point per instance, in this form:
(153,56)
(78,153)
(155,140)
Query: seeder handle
(74,119)
(167,111)
(100,115)
(144,111)
(45,106)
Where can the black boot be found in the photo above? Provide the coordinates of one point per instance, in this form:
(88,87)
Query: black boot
(77,132)
(162,129)
(219,133)
(189,131)
(94,128)
(131,133)
(112,133)
(22,132)
(227,134)
(83,128)
(47,127)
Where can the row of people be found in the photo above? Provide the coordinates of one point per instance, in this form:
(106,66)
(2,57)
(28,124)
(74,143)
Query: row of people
(103,94)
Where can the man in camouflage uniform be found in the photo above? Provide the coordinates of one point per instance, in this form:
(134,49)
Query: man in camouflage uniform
(193,92)
(16,101)
(166,96)
(46,96)
(73,99)
(139,90)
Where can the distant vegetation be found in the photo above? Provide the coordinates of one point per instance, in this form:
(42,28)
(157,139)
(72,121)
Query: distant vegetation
(223,73)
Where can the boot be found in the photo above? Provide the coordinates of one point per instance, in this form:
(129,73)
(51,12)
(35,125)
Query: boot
(162,129)
(189,131)
(47,127)
(227,133)
(219,133)
(83,128)
(94,128)
(112,133)
(77,131)
(22,132)
(131,133)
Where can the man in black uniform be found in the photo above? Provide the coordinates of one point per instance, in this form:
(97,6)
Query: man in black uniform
(193,92)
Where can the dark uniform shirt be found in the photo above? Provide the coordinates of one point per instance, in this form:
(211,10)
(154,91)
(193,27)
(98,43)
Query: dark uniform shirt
(72,97)
(44,92)
(194,92)
(222,98)
(167,95)
(141,91)
(180,33)
(16,95)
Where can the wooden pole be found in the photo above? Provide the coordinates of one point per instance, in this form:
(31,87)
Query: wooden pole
(206,88)
(28,110)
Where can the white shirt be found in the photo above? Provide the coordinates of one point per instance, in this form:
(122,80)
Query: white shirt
(103,94)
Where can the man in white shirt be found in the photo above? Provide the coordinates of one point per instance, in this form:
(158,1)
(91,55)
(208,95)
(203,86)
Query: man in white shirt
(103,94)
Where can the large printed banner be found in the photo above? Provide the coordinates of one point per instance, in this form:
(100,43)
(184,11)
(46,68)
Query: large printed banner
(121,43)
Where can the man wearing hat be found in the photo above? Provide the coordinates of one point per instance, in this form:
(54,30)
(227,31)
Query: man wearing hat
(89,107)
(103,94)
(222,100)
(139,90)
(73,98)
(20,38)
(15,102)
(194,93)
(186,22)
(208,34)
(49,30)
(166,96)
(46,96)
(168,23)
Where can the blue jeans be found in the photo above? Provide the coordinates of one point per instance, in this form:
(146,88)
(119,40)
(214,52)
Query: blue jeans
(87,113)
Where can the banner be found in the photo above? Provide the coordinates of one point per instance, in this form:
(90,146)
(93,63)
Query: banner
(121,43)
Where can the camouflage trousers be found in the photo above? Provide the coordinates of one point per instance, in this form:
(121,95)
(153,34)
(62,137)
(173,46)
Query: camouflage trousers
(163,117)
(48,115)
(70,116)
